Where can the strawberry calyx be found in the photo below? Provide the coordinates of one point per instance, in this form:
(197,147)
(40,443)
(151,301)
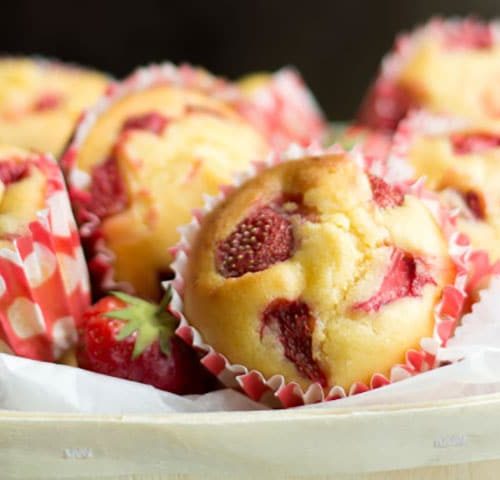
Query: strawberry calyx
(149,321)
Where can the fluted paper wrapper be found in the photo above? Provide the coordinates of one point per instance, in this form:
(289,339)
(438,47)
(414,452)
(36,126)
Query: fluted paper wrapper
(43,278)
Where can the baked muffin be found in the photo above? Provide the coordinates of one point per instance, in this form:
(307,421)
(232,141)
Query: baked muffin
(460,160)
(445,66)
(283,108)
(43,278)
(40,101)
(317,271)
(142,160)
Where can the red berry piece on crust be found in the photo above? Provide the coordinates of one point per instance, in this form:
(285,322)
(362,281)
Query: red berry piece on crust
(11,171)
(48,101)
(262,239)
(153,122)
(107,193)
(295,326)
(475,203)
(406,277)
(464,144)
(385,195)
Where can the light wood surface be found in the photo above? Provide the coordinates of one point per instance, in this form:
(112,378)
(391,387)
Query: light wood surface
(449,440)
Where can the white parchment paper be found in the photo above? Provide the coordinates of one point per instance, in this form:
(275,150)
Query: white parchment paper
(27,385)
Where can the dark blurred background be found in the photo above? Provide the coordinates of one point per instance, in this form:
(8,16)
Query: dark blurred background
(337,45)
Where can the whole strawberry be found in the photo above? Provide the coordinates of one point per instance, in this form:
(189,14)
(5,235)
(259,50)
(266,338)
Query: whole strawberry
(127,337)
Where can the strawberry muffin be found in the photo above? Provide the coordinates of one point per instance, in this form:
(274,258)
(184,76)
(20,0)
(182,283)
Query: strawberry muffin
(446,66)
(40,101)
(317,271)
(43,277)
(283,108)
(460,160)
(142,160)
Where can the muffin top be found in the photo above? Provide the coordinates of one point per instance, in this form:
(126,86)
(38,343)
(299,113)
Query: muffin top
(461,161)
(40,101)
(148,159)
(446,66)
(317,271)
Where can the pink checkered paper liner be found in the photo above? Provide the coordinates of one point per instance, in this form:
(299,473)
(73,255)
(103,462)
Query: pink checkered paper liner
(100,257)
(386,103)
(275,391)
(285,110)
(44,286)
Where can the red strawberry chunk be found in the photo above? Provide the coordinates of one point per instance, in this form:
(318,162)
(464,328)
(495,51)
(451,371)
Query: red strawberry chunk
(262,239)
(11,171)
(107,193)
(385,195)
(153,122)
(48,101)
(405,277)
(475,204)
(464,144)
(295,326)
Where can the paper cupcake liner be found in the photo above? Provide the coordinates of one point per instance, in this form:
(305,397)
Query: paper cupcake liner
(275,391)
(44,284)
(285,110)
(386,103)
(479,329)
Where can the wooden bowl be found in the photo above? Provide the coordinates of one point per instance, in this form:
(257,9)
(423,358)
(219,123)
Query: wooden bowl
(456,440)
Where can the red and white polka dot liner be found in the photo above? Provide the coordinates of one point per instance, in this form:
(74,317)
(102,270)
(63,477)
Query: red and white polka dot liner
(275,391)
(44,284)
(269,102)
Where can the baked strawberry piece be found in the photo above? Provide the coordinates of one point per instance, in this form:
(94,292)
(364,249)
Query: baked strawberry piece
(126,337)
(142,161)
(445,66)
(317,271)
(41,101)
(460,159)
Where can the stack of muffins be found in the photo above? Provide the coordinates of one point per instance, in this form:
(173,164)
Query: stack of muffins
(305,271)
